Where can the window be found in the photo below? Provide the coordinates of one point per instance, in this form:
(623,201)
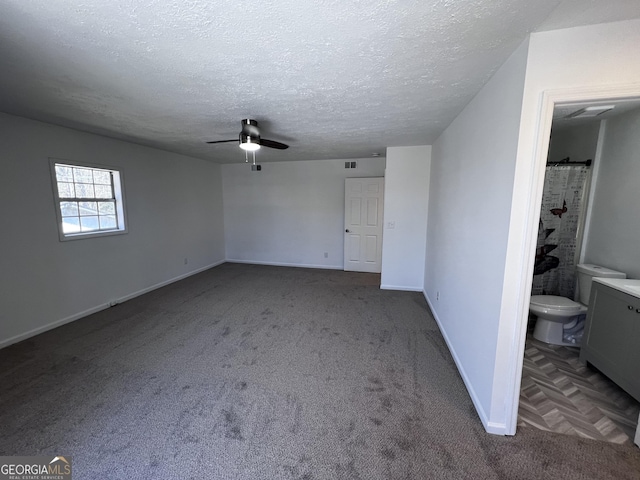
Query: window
(89,200)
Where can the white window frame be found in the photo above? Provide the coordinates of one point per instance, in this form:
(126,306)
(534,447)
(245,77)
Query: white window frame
(117,176)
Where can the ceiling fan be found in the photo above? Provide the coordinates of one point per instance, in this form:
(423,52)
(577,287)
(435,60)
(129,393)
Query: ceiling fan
(249,138)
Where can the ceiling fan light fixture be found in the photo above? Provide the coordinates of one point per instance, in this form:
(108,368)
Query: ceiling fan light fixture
(249,139)
(249,143)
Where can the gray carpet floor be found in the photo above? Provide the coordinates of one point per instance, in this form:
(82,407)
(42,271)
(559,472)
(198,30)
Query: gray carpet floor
(257,372)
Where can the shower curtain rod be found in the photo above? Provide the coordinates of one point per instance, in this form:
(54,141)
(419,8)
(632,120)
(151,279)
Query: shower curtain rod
(565,161)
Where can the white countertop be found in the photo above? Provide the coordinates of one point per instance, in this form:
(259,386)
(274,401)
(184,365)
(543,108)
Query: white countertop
(626,285)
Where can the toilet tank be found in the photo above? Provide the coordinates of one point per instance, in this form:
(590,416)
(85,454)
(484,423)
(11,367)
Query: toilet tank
(586,272)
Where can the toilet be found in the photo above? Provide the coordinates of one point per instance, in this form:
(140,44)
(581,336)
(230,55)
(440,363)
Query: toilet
(560,320)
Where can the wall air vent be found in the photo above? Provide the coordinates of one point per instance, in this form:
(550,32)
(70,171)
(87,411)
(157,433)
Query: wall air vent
(590,111)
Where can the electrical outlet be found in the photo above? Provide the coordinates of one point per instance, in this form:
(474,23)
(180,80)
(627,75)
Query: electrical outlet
(437,296)
(186,260)
(326,254)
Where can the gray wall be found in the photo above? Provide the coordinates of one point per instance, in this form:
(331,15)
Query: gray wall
(579,142)
(174,211)
(290,213)
(613,239)
(406,202)
(470,193)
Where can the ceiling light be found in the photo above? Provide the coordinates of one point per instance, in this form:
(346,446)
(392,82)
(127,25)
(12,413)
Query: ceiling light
(249,142)
(591,111)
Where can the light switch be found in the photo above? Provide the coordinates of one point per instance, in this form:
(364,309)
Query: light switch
(391,225)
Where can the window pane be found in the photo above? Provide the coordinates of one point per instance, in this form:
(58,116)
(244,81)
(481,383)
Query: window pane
(83,175)
(65,190)
(69,209)
(88,208)
(84,191)
(108,221)
(102,177)
(88,199)
(107,208)
(64,174)
(70,225)
(103,191)
(88,224)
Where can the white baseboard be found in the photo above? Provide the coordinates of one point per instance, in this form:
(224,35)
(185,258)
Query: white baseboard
(284,264)
(491,427)
(167,282)
(496,428)
(50,326)
(76,316)
(401,288)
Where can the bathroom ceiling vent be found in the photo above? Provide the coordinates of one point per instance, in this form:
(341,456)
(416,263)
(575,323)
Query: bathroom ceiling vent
(590,111)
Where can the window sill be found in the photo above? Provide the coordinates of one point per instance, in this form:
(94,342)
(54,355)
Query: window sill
(84,235)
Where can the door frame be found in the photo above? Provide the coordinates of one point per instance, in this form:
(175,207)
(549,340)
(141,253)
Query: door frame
(525,258)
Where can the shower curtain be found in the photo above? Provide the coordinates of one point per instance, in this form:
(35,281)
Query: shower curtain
(560,217)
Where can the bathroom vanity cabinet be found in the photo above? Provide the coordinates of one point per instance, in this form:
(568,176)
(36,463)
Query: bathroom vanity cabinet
(611,340)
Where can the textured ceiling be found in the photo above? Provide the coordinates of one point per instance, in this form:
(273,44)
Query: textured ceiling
(332,78)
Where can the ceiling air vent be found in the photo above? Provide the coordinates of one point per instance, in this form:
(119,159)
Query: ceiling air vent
(590,111)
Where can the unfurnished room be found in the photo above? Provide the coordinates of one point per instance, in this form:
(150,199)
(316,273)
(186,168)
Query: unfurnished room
(320,240)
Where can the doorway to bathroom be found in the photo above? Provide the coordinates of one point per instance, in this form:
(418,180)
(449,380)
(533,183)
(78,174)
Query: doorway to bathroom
(585,216)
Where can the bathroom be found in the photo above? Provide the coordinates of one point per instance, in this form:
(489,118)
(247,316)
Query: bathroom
(589,215)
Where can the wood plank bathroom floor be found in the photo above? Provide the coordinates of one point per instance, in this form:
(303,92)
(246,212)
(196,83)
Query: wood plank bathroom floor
(559,394)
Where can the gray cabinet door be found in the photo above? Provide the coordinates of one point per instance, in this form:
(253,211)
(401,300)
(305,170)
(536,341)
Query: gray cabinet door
(612,337)
(633,365)
(611,327)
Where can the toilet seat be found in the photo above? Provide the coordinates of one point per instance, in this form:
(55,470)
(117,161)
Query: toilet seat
(555,303)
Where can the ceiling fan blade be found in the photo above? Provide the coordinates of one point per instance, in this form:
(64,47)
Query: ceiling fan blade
(273,144)
(224,141)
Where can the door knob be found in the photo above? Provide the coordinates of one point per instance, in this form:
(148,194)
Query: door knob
(347,230)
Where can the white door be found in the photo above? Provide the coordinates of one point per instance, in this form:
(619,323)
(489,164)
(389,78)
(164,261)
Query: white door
(363,200)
